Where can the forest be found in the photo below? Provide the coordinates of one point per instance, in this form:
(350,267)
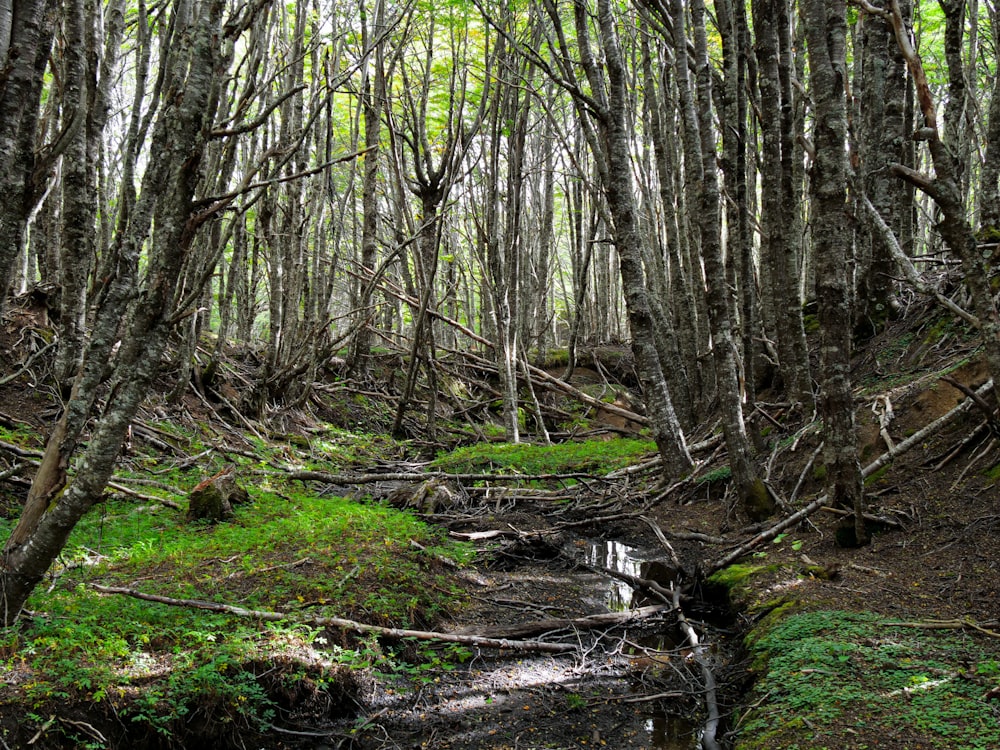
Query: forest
(324,323)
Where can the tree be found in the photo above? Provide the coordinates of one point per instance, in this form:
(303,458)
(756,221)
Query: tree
(26,30)
(604,107)
(164,213)
(826,34)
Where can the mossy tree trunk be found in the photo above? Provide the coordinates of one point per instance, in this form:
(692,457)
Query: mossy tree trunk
(60,496)
(826,33)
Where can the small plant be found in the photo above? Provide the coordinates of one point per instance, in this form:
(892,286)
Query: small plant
(575,702)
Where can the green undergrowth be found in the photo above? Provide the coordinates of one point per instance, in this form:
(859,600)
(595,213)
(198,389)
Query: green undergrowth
(597,457)
(833,679)
(159,668)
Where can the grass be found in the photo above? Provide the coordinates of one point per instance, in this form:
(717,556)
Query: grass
(829,674)
(160,668)
(590,457)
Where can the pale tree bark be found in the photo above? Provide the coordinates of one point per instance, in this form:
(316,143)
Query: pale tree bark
(25,38)
(826,35)
(140,311)
(499,236)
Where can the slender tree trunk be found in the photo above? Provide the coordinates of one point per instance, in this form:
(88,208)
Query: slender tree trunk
(25,38)
(618,191)
(752,493)
(826,33)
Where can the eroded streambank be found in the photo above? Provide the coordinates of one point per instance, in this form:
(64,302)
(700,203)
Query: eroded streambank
(637,685)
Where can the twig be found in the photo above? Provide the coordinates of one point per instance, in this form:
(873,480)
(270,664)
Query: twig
(27,364)
(955,624)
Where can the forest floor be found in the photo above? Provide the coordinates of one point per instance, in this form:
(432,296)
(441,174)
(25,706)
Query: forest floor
(812,645)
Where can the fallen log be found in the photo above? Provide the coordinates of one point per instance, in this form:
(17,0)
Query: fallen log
(343,624)
(589,622)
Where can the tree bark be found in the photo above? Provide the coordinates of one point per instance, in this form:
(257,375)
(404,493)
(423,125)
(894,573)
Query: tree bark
(57,501)
(26,30)
(615,171)
(753,495)
(826,33)
(779,265)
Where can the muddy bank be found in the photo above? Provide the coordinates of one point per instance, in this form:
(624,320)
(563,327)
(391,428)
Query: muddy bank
(633,686)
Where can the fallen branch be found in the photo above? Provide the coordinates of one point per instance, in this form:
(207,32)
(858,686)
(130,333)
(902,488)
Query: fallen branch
(708,740)
(767,535)
(955,624)
(589,622)
(342,624)
(938,424)
(918,437)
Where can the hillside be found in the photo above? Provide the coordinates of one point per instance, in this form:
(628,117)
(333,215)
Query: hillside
(351,534)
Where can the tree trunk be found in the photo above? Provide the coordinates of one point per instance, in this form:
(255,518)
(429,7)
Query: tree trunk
(25,38)
(617,182)
(752,493)
(779,265)
(826,33)
(57,501)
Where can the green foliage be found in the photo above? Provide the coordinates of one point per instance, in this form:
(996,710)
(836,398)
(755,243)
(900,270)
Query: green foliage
(721,474)
(827,672)
(592,457)
(155,665)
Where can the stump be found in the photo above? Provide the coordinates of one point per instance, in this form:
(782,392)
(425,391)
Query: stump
(213,499)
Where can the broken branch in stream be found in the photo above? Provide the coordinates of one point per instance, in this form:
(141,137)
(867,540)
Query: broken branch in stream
(344,624)
(708,741)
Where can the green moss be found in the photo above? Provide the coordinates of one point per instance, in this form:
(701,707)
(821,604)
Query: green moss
(877,476)
(591,456)
(825,674)
(734,575)
(721,474)
(758,502)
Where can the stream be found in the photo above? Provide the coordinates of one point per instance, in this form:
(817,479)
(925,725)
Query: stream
(626,687)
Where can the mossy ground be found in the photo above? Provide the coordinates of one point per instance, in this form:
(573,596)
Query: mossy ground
(833,679)
(161,671)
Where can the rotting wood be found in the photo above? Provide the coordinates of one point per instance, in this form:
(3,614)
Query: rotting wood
(340,623)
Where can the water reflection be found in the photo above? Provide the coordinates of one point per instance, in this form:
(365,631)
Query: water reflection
(622,559)
(672,733)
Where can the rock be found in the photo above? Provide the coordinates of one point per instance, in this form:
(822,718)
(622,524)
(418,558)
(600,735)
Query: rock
(213,499)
